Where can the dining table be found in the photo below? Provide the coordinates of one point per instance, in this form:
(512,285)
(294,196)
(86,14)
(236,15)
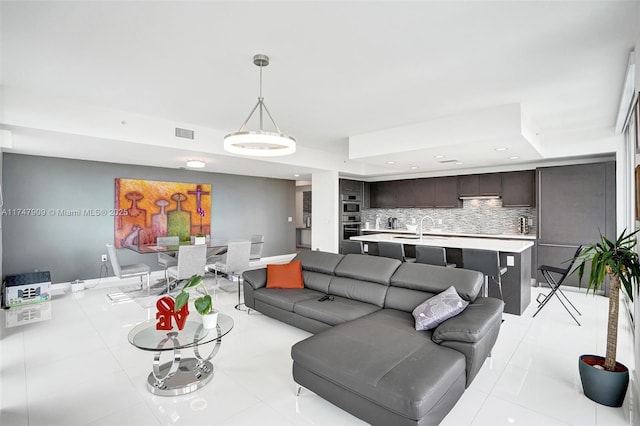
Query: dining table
(215,246)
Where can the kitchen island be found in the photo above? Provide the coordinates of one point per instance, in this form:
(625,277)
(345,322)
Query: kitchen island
(514,254)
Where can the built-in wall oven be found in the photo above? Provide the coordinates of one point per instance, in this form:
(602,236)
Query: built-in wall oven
(351,224)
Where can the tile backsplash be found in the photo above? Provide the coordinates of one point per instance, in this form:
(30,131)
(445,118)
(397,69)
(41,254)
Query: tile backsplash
(475,217)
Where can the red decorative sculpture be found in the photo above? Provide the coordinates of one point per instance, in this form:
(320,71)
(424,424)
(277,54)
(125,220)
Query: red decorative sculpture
(165,306)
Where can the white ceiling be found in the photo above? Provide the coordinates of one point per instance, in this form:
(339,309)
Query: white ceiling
(358,69)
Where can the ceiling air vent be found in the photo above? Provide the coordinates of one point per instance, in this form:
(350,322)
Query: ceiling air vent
(184,133)
(447,161)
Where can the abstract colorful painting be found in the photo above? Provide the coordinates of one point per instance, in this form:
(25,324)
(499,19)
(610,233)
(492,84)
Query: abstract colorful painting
(152,209)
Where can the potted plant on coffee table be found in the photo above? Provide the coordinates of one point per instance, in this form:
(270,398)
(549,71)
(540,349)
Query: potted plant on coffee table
(203,304)
(603,379)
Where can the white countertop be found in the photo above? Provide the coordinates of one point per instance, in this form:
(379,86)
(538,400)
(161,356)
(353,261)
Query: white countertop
(530,237)
(503,245)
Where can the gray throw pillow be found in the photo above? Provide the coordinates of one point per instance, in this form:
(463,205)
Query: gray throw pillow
(439,308)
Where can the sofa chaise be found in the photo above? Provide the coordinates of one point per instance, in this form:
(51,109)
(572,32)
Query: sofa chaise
(366,355)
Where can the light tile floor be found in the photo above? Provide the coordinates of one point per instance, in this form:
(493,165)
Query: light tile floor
(77,368)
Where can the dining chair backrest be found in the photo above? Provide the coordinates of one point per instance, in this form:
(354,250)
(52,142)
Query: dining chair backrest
(191,260)
(431,255)
(237,257)
(257,242)
(115,263)
(168,241)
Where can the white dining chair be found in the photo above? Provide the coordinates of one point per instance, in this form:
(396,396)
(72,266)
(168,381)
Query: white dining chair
(164,259)
(234,262)
(128,271)
(191,261)
(257,243)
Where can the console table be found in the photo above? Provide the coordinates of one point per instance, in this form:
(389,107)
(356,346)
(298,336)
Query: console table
(180,375)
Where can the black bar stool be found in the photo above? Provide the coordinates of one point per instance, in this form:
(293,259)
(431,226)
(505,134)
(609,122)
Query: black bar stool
(433,256)
(554,284)
(487,262)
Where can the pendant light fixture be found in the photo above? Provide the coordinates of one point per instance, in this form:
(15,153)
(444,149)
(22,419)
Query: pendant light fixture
(260,143)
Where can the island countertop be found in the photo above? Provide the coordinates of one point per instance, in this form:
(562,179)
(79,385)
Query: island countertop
(506,236)
(501,245)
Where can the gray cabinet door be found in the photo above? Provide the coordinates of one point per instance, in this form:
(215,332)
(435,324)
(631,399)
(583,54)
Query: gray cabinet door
(518,189)
(490,184)
(446,189)
(572,204)
(424,192)
(383,194)
(405,192)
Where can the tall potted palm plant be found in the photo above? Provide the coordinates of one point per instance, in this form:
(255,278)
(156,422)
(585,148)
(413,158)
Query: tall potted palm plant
(603,379)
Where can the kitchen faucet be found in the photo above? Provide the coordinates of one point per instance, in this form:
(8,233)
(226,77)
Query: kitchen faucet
(422,220)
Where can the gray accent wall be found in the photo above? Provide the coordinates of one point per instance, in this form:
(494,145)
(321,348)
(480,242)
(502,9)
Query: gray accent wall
(70,246)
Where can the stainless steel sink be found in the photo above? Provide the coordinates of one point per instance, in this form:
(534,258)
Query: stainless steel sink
(417,237)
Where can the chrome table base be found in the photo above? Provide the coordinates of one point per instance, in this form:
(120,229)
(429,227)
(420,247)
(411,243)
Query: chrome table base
(188,378)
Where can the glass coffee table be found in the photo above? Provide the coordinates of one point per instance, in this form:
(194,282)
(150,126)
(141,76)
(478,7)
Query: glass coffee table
(181,375)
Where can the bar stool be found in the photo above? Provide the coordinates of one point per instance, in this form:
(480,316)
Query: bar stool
(487,262)
(352,247)
(433,256)
(394,251)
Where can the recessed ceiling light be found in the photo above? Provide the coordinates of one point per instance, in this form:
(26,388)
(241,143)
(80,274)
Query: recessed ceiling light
(438,156)
(414,167)
(391,162)
(459,163)
(514,157)
(196,164)
(296,175)
(500,149)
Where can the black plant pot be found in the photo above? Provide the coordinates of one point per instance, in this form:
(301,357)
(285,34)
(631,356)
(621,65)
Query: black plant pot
(602,386)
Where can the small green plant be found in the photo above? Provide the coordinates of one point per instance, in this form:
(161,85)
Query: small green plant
(203,304)
(620,262)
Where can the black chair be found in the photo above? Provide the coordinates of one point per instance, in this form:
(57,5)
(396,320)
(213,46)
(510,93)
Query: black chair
(352,247)
(433,256)
(554,284)
(487,262)
(394,251)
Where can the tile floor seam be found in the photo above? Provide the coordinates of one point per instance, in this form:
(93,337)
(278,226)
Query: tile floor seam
(484,400)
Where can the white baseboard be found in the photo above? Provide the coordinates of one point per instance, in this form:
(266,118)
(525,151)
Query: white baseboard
(114,281)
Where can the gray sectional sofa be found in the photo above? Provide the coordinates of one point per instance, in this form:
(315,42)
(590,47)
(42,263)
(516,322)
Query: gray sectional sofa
(366,356)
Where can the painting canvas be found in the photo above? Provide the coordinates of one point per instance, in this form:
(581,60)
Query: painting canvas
(152,209)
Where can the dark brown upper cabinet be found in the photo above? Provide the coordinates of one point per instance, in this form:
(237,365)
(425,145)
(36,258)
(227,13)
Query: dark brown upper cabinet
(424,193)
(383,194)
(405,190)
(519,189)
(351,187)
(446,190)
(484,185)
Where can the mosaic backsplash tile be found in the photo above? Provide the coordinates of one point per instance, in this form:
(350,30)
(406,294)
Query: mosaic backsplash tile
(475,217)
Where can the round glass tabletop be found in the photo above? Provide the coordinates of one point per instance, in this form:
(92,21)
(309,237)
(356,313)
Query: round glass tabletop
(145,336)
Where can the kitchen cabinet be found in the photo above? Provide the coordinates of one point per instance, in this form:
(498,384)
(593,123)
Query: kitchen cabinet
(446,192)
(405,192)
(518,189)
(427,192)
(575,204)
(351,187)
(383,194)
(424,193)
(484,185)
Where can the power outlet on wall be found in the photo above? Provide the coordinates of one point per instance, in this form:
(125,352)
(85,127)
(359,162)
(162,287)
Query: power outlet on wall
(103,257)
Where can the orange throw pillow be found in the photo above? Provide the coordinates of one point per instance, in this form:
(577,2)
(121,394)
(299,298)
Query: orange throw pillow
(288,275)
